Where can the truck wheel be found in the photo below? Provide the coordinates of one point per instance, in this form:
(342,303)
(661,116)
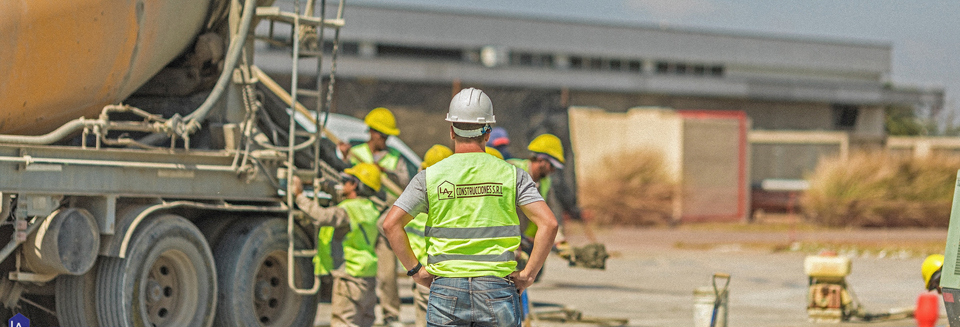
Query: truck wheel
(77,299)
(167,278)
(252,271)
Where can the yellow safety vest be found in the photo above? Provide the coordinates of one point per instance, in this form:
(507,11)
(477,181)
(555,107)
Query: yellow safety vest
(359,255)
(418,243)
(544,188)
(472,227)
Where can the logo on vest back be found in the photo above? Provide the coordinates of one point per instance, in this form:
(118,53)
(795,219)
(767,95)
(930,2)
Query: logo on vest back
(448,190)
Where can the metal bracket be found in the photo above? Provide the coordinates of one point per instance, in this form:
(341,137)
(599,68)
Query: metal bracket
(31,277)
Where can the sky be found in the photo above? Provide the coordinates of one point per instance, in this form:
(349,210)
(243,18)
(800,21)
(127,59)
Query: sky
(925,34)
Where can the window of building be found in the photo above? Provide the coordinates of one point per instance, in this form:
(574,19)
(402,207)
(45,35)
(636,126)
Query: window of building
(576,62)
(680,69)
(845,116)
(615,65)
(634,66)
(385,50)
(716,71)
(346,48)
(524,59)
(699,70)
(531,59)
(545,60)
(595,64)
(663,67)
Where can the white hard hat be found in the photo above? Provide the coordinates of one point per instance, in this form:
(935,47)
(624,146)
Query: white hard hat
(471,106)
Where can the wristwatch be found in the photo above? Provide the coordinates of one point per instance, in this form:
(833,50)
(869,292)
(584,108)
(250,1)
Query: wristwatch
(414,270)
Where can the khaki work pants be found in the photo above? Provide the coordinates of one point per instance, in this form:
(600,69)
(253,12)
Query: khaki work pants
(387,281)
(353,301)
(421,294)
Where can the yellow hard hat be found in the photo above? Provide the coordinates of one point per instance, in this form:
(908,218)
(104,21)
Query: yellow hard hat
(382,120)
(434,155)
(494,152)
(548,144)
(931,264)
(367,173)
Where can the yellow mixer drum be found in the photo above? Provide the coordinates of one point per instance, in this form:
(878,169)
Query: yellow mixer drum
(60,60)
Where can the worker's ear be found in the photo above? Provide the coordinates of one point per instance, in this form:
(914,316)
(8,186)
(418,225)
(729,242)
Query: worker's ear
(452,135)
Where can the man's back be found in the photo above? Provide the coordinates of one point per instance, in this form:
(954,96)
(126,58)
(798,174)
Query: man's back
(472,225)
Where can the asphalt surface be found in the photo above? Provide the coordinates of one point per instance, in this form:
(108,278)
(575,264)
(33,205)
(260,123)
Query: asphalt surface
(650,279)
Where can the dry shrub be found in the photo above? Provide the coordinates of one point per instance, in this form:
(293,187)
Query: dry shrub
(630,189)
(873,190)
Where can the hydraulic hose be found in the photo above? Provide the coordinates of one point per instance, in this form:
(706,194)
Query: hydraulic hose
(57,135)
(233,55)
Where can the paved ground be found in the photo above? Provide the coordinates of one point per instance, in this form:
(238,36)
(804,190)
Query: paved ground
(652,275)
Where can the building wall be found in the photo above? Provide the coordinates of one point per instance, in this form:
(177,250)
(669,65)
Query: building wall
(758,54)
(598,136)
(792,154)
(703,152)
(772,115)
(421,45)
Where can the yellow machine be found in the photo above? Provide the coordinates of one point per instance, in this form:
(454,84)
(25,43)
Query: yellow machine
(831,300)
(828,299)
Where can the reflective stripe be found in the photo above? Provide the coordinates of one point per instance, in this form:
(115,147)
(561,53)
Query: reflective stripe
(473,232)
(414,231)
(468,234)
(506,256)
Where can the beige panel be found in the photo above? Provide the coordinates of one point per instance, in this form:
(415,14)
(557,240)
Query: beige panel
(711,167)
(596,134)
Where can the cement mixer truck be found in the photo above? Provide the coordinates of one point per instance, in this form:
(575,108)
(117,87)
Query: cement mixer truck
(143,160)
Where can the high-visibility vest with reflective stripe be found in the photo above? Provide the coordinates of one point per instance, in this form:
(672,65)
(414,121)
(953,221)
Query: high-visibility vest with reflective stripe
(543,187)
(362,153)
(472,227)
(415,234)
(323,260)
(359,256)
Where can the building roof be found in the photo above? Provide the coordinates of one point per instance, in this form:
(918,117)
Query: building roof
(413,43)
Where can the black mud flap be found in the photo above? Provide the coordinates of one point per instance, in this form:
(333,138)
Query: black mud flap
(951,301)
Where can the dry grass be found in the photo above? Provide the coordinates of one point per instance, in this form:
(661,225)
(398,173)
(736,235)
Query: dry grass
(873,190)
(631,189)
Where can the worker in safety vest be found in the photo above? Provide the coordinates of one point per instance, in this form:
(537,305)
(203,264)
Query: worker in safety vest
(930,269)
(546,158)
(472,229)
(353,224)
(494,152)
(499,140)
(382,124)
(418,243)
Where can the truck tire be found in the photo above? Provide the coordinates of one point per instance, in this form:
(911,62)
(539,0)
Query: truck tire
(252,271)
(77,299)
(213,228)
(167,278)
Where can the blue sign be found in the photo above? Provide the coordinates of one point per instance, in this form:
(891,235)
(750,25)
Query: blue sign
(18,321)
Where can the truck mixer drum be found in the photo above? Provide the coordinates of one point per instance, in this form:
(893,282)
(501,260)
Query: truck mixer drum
(67,243)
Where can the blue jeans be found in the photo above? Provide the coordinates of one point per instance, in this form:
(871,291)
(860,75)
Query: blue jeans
(487,301)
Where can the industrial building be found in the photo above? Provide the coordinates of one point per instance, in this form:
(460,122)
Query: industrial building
(412,59)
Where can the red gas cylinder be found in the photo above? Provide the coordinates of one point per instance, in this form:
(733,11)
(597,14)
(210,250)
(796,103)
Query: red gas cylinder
(928,309)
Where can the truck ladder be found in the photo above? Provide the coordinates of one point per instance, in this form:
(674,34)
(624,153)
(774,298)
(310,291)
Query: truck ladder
(306,27)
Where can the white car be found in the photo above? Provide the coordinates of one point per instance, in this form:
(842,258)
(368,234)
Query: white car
(354,131)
